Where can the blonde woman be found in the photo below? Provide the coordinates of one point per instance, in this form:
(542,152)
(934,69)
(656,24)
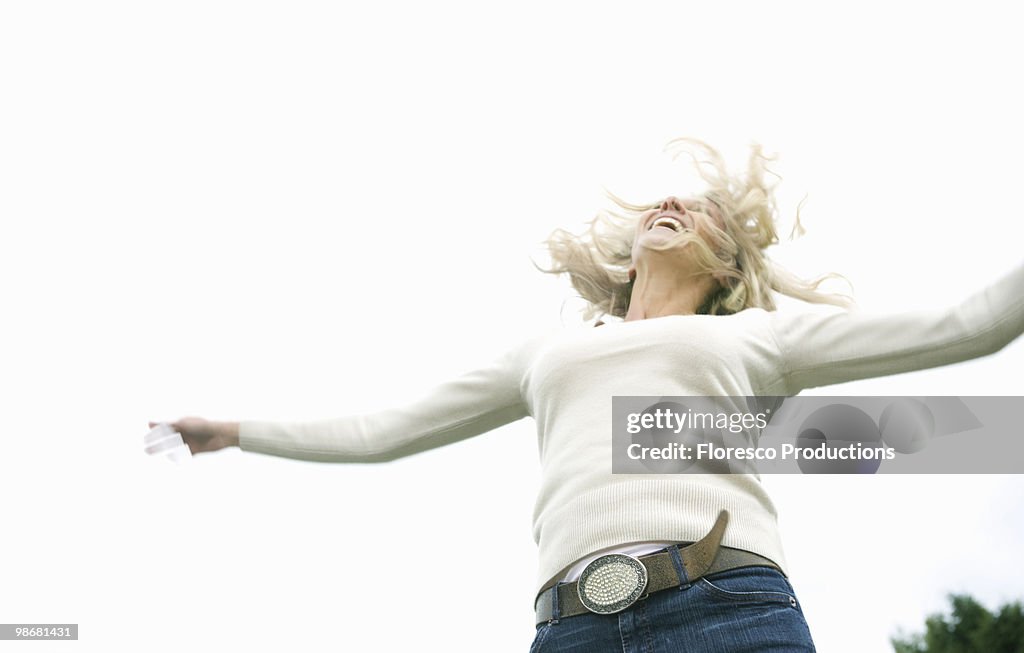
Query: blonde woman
(689,299)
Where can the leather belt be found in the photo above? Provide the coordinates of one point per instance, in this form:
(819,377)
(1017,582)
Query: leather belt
(614,582)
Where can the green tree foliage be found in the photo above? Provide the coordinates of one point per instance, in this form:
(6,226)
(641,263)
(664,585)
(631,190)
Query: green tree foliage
(971,628)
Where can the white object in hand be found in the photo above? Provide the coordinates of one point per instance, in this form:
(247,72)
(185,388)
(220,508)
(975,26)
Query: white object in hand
(163,439)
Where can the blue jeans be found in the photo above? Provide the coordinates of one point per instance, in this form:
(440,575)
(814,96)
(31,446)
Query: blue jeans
(736,611)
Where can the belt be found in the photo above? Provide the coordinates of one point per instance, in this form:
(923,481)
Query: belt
(615,581)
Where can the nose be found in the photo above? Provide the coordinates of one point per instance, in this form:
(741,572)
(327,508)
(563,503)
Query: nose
(673,204)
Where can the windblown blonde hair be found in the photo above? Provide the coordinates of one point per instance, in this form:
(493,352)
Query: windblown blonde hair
(598,260)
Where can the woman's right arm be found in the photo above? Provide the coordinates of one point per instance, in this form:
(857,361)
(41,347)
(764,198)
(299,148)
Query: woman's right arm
(473,403)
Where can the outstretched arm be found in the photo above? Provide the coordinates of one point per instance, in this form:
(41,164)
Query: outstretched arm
(822,349)
(473,403)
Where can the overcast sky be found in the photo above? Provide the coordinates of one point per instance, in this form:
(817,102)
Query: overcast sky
(302,210)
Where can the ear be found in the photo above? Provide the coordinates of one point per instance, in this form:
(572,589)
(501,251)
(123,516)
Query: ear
(632,272)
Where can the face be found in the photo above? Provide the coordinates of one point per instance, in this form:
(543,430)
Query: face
(661,224)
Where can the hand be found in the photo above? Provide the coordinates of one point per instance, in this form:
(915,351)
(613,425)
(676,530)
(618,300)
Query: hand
(201,435)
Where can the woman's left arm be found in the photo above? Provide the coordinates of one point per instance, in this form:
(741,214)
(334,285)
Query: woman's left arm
(822,349)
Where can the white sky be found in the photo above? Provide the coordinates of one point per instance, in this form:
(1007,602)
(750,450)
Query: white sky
(298,210)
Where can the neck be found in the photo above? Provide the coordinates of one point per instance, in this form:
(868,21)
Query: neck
(662,292)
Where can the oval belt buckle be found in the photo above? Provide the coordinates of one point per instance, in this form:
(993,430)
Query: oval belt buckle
(612,583)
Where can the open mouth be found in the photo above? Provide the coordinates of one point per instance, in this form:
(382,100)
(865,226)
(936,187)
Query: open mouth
(668,222)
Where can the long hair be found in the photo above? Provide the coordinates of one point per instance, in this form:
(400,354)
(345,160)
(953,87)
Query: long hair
(597,260)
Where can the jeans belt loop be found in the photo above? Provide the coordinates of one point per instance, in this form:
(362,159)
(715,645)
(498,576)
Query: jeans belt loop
(554,605)
(677,562)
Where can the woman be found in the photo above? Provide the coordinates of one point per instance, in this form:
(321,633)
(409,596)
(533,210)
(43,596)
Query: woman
(657,562)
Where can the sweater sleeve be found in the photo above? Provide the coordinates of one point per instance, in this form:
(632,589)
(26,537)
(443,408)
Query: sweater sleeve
(822,349)
(475,402)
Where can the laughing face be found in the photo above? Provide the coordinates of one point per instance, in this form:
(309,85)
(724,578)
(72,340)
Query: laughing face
(659,227)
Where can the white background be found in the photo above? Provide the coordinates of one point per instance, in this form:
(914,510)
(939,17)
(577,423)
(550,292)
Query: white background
(298,210)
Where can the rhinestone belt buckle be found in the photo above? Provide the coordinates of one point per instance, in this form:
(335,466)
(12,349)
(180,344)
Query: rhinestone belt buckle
(612,583)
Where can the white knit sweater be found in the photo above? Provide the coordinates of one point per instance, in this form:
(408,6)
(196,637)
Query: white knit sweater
(566,380)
